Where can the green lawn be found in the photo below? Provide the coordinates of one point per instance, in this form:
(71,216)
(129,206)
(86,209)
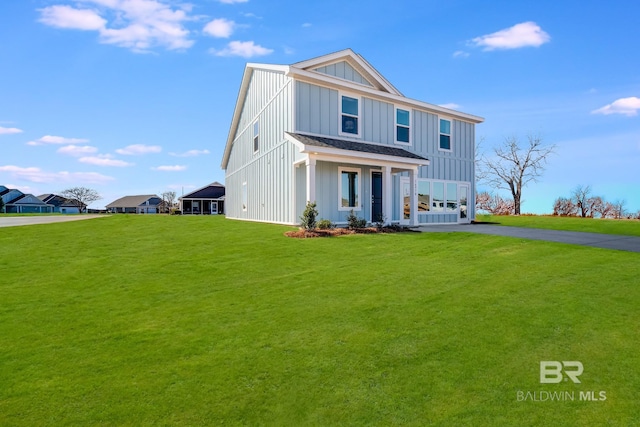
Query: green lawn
(627,227)
(176,320)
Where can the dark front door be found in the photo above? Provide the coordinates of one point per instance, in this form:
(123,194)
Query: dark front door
(376,196)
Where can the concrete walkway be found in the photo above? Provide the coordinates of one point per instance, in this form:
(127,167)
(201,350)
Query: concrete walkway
(596,240)
(14,221)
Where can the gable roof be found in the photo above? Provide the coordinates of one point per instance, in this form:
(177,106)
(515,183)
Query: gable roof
(134,201)
(215,190)
(58,201)
(306,71)
(356,61)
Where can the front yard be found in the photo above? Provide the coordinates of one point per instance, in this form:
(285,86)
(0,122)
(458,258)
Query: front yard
(169,320)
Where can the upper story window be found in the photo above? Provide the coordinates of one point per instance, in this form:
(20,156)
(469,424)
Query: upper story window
(256,136)
(349,115)
(445,134)
(403,126)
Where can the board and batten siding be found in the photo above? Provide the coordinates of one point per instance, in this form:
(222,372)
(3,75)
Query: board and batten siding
(345,71)
(317,112)
(268,173)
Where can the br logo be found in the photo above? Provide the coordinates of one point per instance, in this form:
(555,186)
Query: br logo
(551,371)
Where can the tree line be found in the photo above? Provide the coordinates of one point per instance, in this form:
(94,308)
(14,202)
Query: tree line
(583,203)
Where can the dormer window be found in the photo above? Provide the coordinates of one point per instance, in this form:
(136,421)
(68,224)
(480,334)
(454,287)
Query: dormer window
(349,116)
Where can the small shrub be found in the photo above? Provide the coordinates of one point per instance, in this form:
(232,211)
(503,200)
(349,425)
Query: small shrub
(325,224)
(355,222)
(380,220)
(308,218)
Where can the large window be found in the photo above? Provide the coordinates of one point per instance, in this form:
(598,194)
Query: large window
(424,196)
(403,126)
(349,190)
(452,196)
(438,197)
(445,134)
(256,136)
(349,116)
(441,196)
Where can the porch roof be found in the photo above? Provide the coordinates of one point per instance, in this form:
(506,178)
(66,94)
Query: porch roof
(362,147)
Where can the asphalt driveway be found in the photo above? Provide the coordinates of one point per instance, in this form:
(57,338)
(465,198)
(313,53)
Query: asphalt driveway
(14,221)
(596,240)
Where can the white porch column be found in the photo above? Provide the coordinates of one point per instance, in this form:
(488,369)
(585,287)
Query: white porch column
(413,185)
(310,163)
(387,194)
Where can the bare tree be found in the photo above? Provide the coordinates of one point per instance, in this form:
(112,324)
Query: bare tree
(564,207)
(169,199)
(81,197)
(619,210)
(495,205)
(580,196)
(515,165)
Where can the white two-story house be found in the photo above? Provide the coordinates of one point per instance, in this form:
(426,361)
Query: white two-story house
(334,131)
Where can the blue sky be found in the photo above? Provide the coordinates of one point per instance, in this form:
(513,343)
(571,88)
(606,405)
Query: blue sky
(136,96)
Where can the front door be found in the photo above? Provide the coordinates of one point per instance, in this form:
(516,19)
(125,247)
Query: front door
(405,200)
(376,197)
(214,208)
(463,203)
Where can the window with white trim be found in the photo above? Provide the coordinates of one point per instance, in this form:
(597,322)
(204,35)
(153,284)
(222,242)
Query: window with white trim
(349,189)
(256,136)
(349,115)
(437,196)
(424,196)
(403,126)
(445,135)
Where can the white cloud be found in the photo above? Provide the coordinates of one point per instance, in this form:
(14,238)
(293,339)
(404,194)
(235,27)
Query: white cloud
(138,149)
(232,1)
(626,106)
(450,106)
(67,17)
(190,153)
(34,174)
(244,49)
(460,54)
(50,139)
(175,168)
(520,35)
(9,131)
(307,25)
(104,160)
(76,150)
(139,25)
(221,28)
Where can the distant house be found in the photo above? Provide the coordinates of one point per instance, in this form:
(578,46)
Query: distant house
(144,204)
(15,201)
(207,200)
(332,130)
(62,205)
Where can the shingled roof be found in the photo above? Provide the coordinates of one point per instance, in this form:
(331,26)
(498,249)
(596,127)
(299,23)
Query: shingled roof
(363,147)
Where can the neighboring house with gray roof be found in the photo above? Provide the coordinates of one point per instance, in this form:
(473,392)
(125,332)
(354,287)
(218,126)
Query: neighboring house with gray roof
(208,200)
(144,204)
(15,201)
(62,205)
(334,131)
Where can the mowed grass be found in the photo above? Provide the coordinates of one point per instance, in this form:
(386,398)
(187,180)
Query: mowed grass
(158,320)
(627,227)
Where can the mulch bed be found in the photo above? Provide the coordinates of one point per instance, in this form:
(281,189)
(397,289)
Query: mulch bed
(304,234)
